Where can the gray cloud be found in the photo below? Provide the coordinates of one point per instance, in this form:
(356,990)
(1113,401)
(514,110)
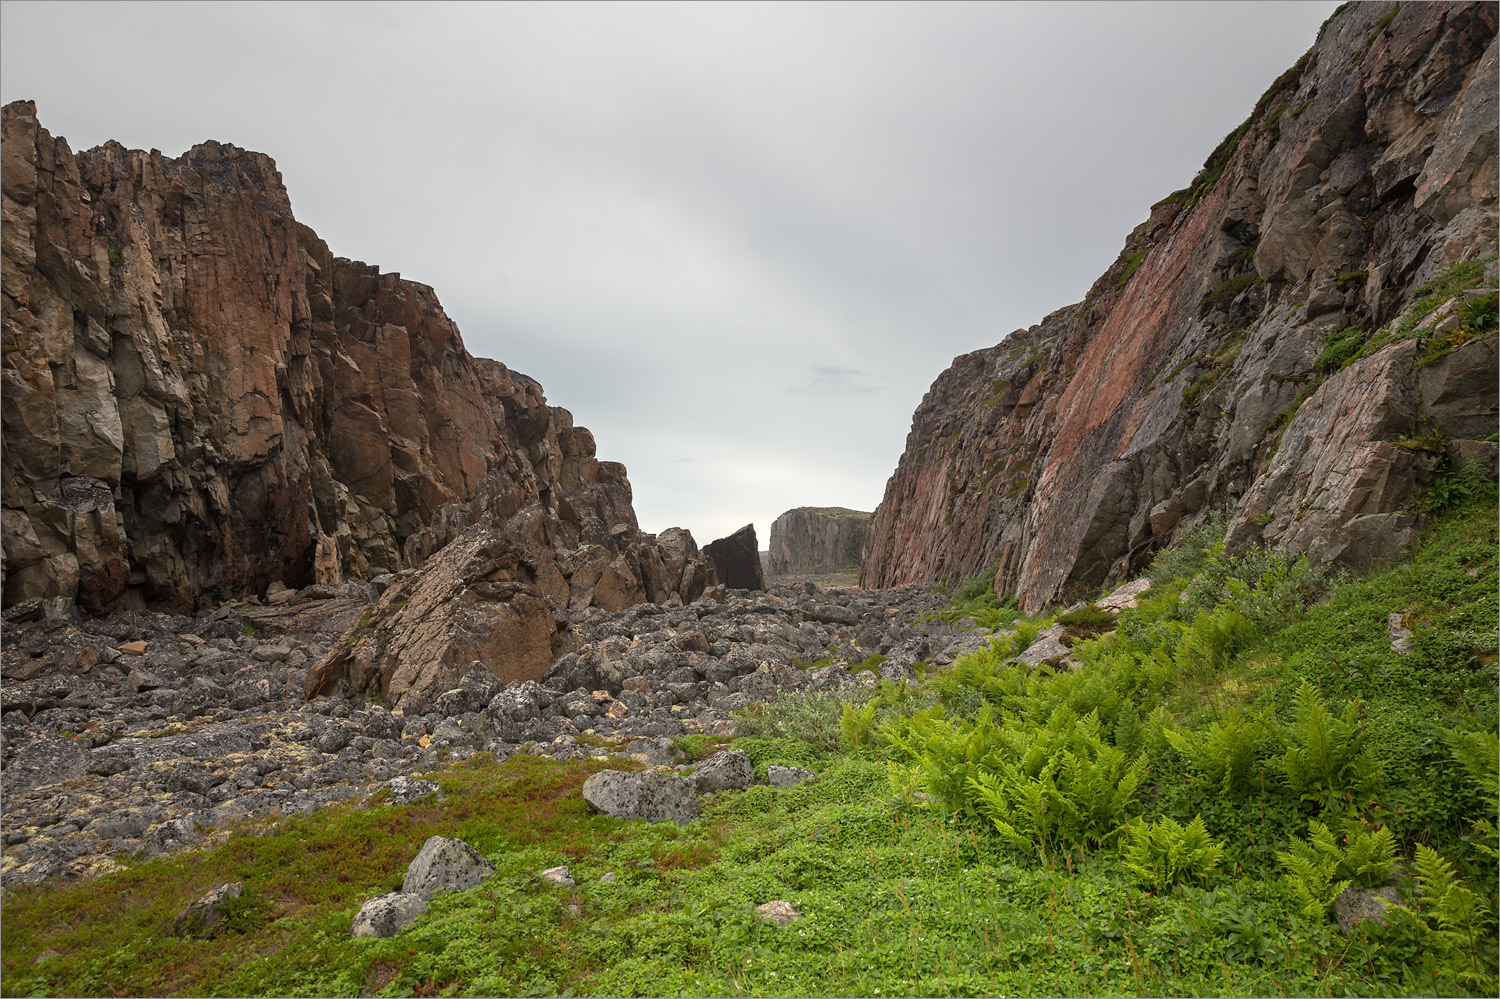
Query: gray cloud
(670,214)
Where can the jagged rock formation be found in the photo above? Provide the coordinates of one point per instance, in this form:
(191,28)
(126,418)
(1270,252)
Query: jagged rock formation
(1352,215)
(817,539)
(499,599)
(201,400)
(737,560)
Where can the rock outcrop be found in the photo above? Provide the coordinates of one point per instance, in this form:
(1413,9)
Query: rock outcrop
(200,400)
(817,539)
(496,597)
(737,560)
(1351,217)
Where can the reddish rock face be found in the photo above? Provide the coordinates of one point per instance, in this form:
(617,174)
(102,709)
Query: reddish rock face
(199,399)
(1189,379)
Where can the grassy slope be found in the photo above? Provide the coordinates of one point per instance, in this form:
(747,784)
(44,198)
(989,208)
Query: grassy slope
(899,898)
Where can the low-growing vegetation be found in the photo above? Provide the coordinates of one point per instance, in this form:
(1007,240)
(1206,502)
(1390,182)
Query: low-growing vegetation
(1186,813)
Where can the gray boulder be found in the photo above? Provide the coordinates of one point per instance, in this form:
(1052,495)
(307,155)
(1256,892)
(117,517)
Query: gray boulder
(786,776)
(445,865)
(726,770)
(387,915)
(405,790)
(1046,648)
(651,796)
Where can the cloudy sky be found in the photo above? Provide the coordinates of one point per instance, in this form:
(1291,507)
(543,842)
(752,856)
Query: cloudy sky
(738,241)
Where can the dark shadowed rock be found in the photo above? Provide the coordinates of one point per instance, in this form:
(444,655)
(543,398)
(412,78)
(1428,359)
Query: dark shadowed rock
(737,560)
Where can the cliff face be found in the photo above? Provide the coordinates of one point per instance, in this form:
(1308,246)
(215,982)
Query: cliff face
(817,539)
(1353,215)
(200,399)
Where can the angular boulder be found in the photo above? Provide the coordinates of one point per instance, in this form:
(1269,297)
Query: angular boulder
(652,796)
(787,776)
(204,919)
(387,915)
(726,770)
(445,865)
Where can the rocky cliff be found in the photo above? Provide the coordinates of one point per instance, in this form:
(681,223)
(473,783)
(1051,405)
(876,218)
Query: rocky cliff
(736,560)
(201,400)
(817,539)
(1305,334)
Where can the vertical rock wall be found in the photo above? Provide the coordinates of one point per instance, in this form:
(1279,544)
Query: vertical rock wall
(1354,210)
(199,398)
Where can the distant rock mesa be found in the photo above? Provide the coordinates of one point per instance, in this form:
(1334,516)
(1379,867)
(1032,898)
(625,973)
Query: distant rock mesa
(1304,335)
(817,539)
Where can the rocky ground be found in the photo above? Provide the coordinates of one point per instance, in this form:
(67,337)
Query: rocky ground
(152,732)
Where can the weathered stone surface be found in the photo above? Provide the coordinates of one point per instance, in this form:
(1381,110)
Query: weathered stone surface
(778,912)
(1046,648)
(558,876)
(728,769)
(1125,596)
(445,865)
(778,776)
(200,400)
(737,560)
(387,915)
(648,795)
(405,790)
(1357,904)
(1062,458)
(817,540)
(204,919)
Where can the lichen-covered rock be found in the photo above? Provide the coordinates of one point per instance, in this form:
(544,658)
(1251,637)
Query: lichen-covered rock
(726,770)
(778,776)
(817,540)
(652,796)
(387,915)
(778,912)
(445,865)
(405,790)
(1190,377)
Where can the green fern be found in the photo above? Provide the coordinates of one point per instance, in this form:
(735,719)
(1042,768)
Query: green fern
(1461,916)
(1326,759)
(857,723)
(1370,857)
(1167,853)
(1479,754)
(1311,866)
(1226,753)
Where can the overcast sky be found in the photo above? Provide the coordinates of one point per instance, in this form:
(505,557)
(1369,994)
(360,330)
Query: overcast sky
(738,241)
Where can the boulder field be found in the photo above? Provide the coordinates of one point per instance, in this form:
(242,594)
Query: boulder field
(152,732)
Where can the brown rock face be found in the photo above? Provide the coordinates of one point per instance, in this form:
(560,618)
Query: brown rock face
(1202,369)
(497,596)
(817,539)
(199,399)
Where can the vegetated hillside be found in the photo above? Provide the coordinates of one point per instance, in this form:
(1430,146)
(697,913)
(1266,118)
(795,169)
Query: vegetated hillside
(200,400)
(1305,333)
(1244,785)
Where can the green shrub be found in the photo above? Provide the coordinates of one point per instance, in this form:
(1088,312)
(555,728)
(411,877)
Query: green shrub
(1225,754)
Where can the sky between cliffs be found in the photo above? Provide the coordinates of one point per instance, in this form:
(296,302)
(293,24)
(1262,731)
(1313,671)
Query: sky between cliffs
(738,241)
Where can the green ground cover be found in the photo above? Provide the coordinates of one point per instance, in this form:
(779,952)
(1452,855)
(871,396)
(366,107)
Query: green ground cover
(1172,819)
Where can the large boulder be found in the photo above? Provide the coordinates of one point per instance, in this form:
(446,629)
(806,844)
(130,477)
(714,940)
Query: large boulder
(737,560)
(387,915)
(648,795)
(726,770)
(496,597)
(445,865)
